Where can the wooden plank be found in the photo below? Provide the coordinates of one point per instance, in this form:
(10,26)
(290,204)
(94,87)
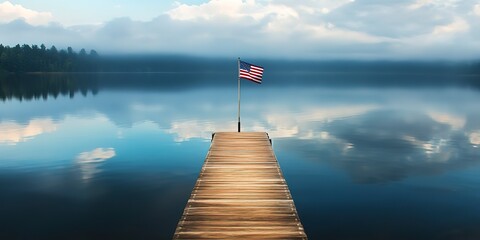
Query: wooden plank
(240,193)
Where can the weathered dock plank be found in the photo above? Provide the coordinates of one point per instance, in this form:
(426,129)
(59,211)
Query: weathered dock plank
(240,193)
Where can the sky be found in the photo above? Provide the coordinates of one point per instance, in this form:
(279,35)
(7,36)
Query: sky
(282,29)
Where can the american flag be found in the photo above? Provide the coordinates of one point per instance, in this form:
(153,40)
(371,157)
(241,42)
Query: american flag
(251,72)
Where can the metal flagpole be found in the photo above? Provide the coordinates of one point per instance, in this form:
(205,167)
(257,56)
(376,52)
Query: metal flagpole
(238,94)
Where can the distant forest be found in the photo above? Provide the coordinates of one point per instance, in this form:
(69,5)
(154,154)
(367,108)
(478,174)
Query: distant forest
(36,58)
(33,58)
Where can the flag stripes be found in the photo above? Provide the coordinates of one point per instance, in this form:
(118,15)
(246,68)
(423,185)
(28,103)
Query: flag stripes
(251,72)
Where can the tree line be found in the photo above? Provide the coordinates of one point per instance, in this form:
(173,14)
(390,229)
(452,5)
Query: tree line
(34,58)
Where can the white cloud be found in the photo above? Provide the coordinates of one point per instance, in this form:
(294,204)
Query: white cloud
(12,133)
(458,25)
(234,9)
(10,12)
(329,32)
(318,7)
(438,3)
(419,4)
(476,9)
(280,29)
(279,21)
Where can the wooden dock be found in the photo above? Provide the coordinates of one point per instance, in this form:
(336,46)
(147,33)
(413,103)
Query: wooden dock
(240,194)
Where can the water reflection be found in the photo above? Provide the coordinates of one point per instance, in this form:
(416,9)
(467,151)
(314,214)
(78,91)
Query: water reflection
(296,124)
(190,129)
(90,162)
(375,136)
(475,138)
(386,145)
(12,132)
(42,86)
(146,136)
(456,122)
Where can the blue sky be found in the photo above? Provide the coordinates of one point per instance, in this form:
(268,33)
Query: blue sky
(309,29)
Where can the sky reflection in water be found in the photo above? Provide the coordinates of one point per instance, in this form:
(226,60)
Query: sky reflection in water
(361,161)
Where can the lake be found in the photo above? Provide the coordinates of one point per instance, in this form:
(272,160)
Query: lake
(391,155)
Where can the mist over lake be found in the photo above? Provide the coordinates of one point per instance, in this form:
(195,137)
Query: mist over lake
(369,150)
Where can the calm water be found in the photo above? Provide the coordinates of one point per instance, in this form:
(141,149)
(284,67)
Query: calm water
(366,156)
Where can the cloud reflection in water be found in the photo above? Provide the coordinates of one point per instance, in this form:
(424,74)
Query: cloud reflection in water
(386,145)
(373,130)
(12,133)
(374,134)
(89,162)
(475,138)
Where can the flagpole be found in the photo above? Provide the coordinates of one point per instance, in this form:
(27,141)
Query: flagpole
(238,94)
